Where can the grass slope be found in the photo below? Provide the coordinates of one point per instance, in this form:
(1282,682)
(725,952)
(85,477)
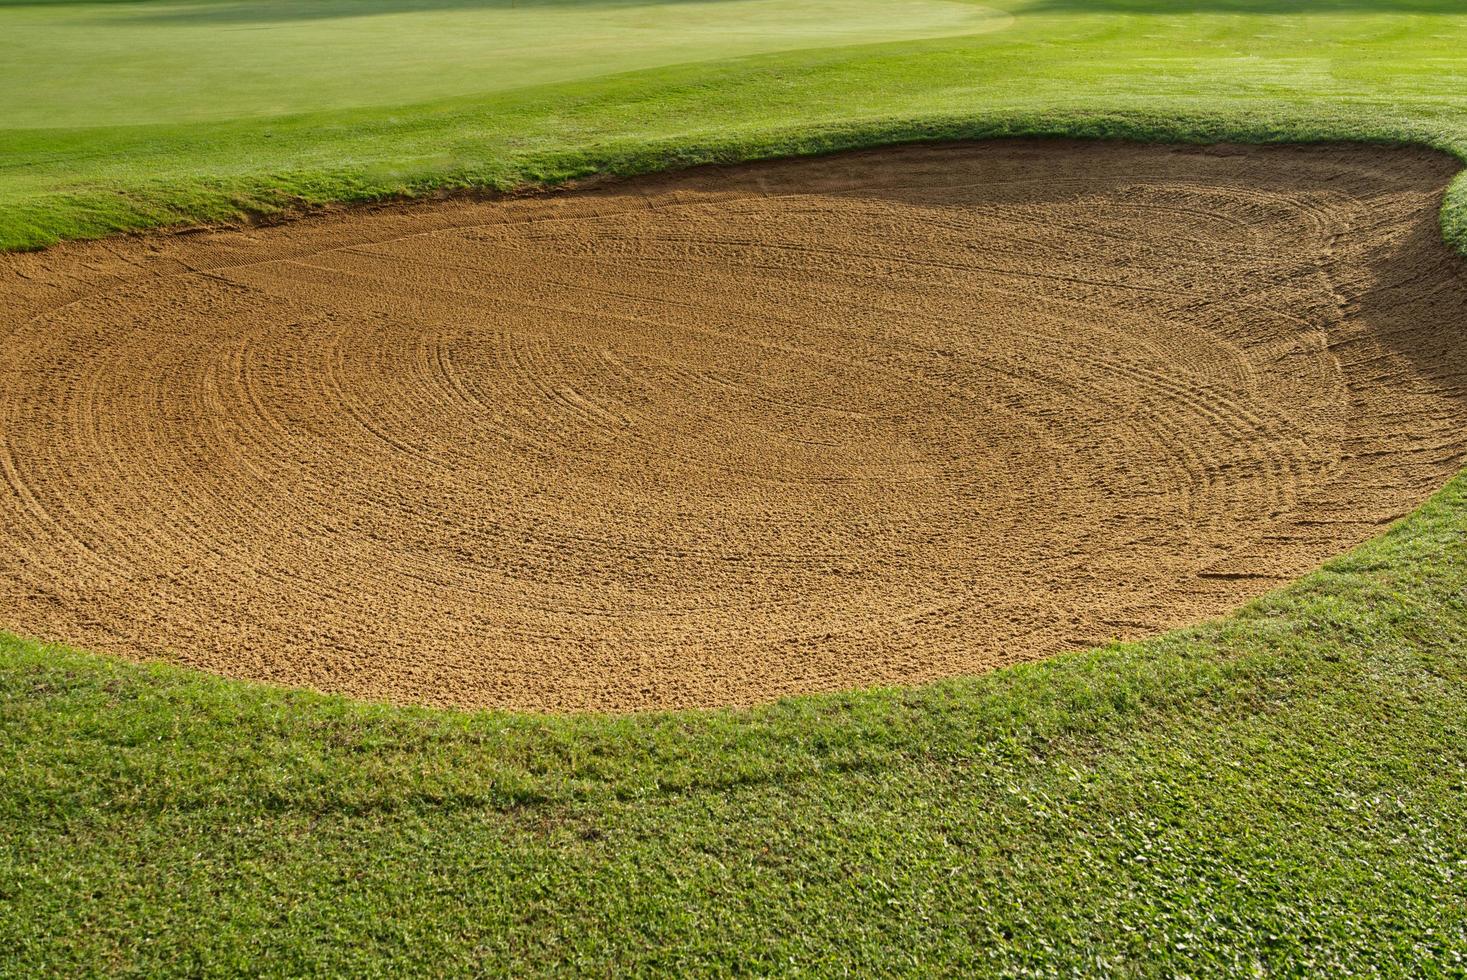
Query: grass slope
(1253,69)
(1282,793)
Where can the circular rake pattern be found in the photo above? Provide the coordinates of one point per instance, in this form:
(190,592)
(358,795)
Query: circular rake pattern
(722,436)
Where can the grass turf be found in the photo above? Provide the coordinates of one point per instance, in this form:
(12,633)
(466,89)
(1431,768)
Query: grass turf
(1283,792)
(1234,69)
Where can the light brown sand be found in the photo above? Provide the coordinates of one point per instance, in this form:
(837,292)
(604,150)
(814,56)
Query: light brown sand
(722,436)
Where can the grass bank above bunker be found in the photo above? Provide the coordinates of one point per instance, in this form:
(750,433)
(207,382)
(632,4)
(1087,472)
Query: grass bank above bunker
(1380,70)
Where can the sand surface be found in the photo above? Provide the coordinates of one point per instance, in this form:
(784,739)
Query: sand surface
(721,436)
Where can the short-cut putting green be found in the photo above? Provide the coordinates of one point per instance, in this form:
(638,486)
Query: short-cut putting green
(1281,793)
(117,116)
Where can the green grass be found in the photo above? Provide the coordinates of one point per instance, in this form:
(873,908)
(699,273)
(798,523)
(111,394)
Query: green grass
(174,61)
(1283,793)
(1302,69)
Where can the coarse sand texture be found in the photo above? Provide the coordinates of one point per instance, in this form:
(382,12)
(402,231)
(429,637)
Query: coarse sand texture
(725,435)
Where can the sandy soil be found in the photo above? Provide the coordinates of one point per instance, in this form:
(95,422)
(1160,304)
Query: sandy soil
(722,436)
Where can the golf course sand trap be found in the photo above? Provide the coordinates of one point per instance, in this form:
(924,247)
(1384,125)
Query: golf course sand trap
(730,434)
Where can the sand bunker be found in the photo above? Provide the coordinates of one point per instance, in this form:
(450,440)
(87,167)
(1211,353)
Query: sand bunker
(722,436)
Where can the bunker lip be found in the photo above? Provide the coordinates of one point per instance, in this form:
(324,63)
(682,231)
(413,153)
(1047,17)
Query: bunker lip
(715,437)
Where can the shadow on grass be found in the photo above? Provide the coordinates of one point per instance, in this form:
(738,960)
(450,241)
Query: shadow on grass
(248,11)
(1246,7)
(279,11)
(265,11)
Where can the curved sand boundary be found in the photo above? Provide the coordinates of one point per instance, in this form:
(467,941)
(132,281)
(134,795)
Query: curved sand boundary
(720,436)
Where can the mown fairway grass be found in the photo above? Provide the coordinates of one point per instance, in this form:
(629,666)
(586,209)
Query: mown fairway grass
(1233,69)
(1282,793)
